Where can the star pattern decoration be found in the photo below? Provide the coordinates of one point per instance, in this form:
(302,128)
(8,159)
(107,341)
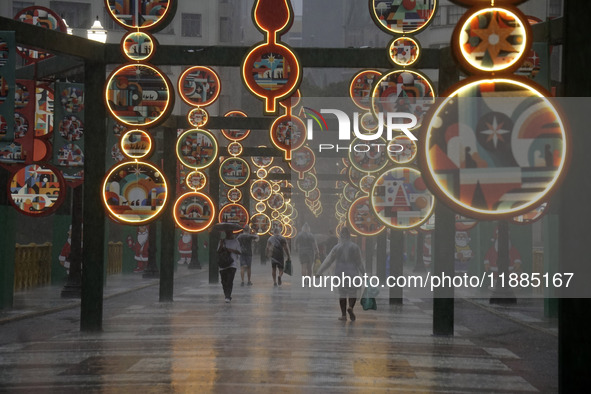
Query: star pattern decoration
(493,38)
(495,132)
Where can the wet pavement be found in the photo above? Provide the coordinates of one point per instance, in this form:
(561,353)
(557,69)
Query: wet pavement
(269,339)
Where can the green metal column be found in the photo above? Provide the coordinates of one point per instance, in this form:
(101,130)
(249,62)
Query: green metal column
(396,264)
(443,263)
(93,254)
(381,255)
(7,245)
(214,237)
(168,235)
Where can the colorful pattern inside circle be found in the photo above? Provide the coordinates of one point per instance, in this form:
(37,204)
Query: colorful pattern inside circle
(196,148)
(194,212)
(199,86)
(138,13)
(36,190)
(403,16)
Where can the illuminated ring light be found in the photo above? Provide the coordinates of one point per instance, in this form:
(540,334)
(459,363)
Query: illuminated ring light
(400,199)
(262,161)
(309,183)
(136,144)
(138,46)
(198,117)
(369,123)
(314,195)
(276,187)
(535,135)
(531,216)
(40,17)
(260,207)
(366,183)
(499,46)
(234,172)
(404,152)
(303,160)
(261,173)
(138,95)
(288,210)
(406,17)
(294,214)
(404,51)
(282,134)
(276,170)
(234,213)
(125,14)
(260,223)
(287,230)
(362,219)
(234,195)
(346,162)
(194,212)
(196,148)
(199,86)
(350,192)
(276,201)
(261,190)
(134,192)
(361,88)
(235,148)
(235,135)
(355,176)
(196,180)
(37,189)
(405,91)
(275,215)
(372,160)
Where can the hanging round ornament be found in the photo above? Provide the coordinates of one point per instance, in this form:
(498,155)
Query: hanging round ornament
(404,51)
(368,157)
(260,223)
(234,171)
(309,183)
(194,212)
(288,133)
(262,161)
(234,213)
(140,14)
(234,195)
(136,144)
(40,17)
(366,183)
(196,148)
(233,134)
(362,219)
(402,16)
(276,201)
(138,46)
(235,149)
(260,207)
(361,88)
(402,150)
(199,86)
(198,117)
(303,160)
(196,180)
(261,190)
(37,189)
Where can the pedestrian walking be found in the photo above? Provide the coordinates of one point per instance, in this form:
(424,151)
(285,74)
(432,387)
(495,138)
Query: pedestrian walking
(227,274)
(307,249)
(346,256)
(278,251)
(245,239)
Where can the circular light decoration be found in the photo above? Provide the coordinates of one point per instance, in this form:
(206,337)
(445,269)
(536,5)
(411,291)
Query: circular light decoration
(37,189)
(262,161)
(511,138)
(309,183)
(261,173)
(44,97)
(134,193)
(303,160)
(234,148)
(360,88)
(235,135)
(196,180)
(355,176)
(402,16)
(261,190)
(138,95)
(71,128)
(314,195)
(138,46)
(72,99)
(492,39)
(70,155)
(199,86)
(276,187)
(429,225)
(350,192)
(194,212)
(366,183)
(531,216)
(400,198)
(402,149)
(196,148)
(276,201)
(41,17)
(139,15)
(287,230)
(234,195)
(403,91)
(136,144)
(198,117)
(260,223)
(368,157)
(260,207)
(362,219)
(276,170)
(234,172)
(404,51)
(234,213)
(288,133)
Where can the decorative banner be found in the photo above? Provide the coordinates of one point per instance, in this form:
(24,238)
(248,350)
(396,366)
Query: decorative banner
(136,144)
(138,95)
(400,198)
(362,219)
(507,156)
(194,212)
(404,51)
(199,86)
(44,110)
(134,193)
(37,189)
(361,88)
(235,135)
(40,17)
(139,14)
(261,190)
(234,213)
(234,172)
(531,216)
(402,16)
(138,46)
(68,141)
(71,128)
(492,39)
(402,149)
(196,148)
(260,223)
(368,157)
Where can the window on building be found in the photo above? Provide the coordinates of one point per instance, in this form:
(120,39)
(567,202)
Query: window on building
(191,25)
(76,14)
(437,17)
(19,5)
(225,29)
(454,13)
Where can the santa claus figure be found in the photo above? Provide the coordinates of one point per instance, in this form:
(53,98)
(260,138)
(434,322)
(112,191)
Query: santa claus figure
(185,246)
(64,257)
(140,248)
(463,253)
(491,257)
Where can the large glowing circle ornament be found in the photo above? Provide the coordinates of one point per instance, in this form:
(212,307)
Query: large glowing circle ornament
(404,51)
(136,144)
(402,16)
(362,219)
(199,86)
(400,198)
(402,150)
(261,190)
(138,46)
(361,87)
(492,39)
(138,14)
(234,172)
(37,189)
(138,95)
(260,223)
(235,135)
(194,212)
(494,148)
(196,148)
(234,213)
(134,192)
